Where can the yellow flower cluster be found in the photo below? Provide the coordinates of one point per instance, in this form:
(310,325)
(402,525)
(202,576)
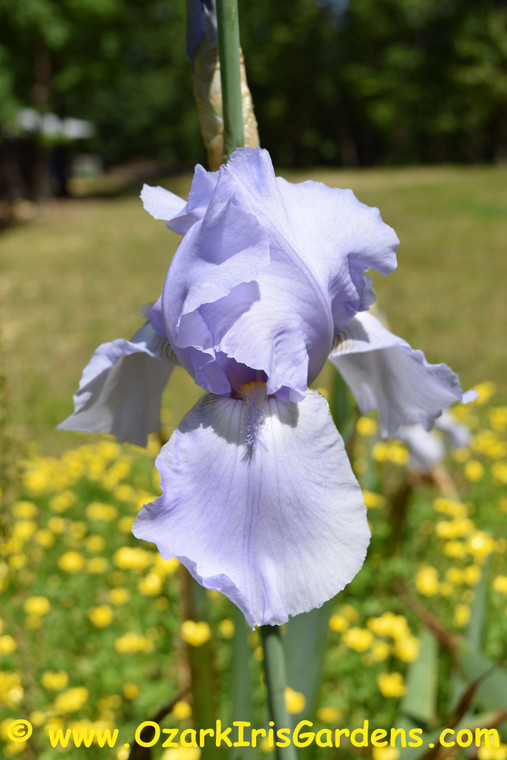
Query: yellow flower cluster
(295,702)
(195,633)
(71,700)
(11,691)
(391,451)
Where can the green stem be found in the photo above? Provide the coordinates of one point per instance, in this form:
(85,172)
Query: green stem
(230,74)
(276,680)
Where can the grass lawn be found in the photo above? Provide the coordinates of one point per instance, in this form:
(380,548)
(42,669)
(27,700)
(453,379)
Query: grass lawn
(79,274)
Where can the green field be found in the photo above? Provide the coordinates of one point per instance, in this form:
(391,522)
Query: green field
(79,274)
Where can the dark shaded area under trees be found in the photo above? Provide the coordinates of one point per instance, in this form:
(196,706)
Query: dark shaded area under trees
(353,84)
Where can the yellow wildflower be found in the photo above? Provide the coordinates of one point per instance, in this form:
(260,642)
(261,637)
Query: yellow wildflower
(380,651)
(450,507)
(101,616)
(195,633)
(11,691)
(17,561)
(359,639)
(295,701)
(338,623)
(474,471)
(125,524)
(36,605)
(407,649)
(182,710)
(500,584)
(366,426)
(38,718)
(97,566)
(385,753)
(24,510)
(95,543)
(329,714)
(24,529)
(150,585)
(131,642)
(108,450)
(165,566)
(397,453)
(71,562)
(389,624)
(455,575)
(472,574)
(45,538)
(461,455)
(461,615)
(100,511)
(485,391)
(7,644)
(226,628)
(72,700)
(119,596)
(57,524)
(350,612)
(181,753)
(54,680)
(498,418)
(130,690)
(493,753)
(374,500)
(391,684)
(379,451)
(454,549)
(457,528)
(132,558)
(499,470)
(62,501)
(426,580)
(481,544)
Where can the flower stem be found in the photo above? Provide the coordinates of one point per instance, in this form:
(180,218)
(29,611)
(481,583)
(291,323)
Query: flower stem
(230,73)
(276,679)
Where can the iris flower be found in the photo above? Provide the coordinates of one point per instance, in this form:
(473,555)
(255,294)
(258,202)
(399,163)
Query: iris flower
(259,500)
(428,448)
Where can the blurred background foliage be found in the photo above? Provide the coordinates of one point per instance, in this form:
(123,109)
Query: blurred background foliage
(356,83)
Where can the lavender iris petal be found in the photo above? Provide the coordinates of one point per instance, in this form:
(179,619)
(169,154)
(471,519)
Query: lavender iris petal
(121,388)
(260,502)
(386,374)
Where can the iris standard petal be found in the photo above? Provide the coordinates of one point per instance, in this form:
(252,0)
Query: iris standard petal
(211,282)
(313,244)
(340,239)
(180,215)
(326,232)
(121,388)
(260,502)
(385,373)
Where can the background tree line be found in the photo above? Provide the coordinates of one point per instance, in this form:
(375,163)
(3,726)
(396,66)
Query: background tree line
(334,82)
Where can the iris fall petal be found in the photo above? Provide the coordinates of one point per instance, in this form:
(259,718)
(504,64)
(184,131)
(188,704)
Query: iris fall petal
(385,373)
(260,502)
(121,388)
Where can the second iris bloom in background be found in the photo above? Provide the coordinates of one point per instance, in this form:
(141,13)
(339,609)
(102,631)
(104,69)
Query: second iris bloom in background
(259,500)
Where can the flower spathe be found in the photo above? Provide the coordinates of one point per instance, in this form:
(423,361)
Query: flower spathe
(259,500)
